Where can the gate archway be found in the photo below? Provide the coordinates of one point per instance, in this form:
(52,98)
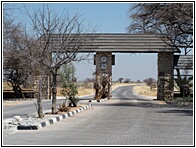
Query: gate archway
(106,44)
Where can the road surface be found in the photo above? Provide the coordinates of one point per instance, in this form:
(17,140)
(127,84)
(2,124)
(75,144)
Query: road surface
(28,108)
(127,119)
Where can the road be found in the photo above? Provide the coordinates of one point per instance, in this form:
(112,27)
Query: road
(28,108)
(127,119)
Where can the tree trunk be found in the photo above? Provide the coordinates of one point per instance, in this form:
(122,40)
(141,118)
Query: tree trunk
(53,100)
(18,92)
(39,100)
(54,91)
(72,102)
(179,83)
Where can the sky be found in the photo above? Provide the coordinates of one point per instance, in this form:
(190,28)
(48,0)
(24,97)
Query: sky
(107,17)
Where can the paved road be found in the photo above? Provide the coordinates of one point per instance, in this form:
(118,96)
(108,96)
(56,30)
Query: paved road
(28,108)
(125,120)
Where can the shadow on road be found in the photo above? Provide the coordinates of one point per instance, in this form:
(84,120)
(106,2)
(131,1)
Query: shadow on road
(132,98)
(183,112)
(148,104)
(144,103)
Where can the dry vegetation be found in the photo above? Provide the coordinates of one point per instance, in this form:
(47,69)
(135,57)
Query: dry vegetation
(145,90)
(85,88)
(6,86)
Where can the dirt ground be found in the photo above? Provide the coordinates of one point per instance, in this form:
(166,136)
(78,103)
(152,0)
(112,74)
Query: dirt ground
(142,90)
(88,91)
(139,89)
(145,90)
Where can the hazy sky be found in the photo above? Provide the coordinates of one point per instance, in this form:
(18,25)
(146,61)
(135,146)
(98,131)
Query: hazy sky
(107,18)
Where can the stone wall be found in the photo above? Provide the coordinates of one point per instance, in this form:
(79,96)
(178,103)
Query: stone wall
(104,69)
(165,76)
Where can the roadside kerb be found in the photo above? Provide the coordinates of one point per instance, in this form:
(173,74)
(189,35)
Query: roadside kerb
(51,120)
(101,100)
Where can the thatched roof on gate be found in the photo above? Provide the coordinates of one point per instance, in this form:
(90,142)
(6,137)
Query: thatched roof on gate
(118,42)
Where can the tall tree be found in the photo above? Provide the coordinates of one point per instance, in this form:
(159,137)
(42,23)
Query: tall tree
(68,73)
(20,55)
(16,43)
(174,20)
(59,37)
(120,80)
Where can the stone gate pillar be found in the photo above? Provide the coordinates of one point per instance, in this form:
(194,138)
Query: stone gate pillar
(165,76)
(103,61)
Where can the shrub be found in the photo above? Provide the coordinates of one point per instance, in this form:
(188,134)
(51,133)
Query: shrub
(149,81)
(70,91)
(181,101)
(63,108)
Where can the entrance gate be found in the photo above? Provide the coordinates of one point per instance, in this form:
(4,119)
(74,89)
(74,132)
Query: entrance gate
(106,44)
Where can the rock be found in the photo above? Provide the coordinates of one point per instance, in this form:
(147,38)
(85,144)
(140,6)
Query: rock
(10,127)
(16,120)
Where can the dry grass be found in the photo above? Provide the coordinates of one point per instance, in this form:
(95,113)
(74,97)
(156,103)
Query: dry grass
(6,86)
(63,112)
(145,90)
(81,91)
(87,89)
(59,91)
(11,103)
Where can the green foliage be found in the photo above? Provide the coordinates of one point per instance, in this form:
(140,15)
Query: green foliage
(73,101)
(70,91)
(185,99)
(182,101)
(67,73)
(185,84)
(173,20)
(69,88)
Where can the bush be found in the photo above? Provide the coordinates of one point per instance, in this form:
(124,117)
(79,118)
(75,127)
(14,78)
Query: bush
(149,81)
(70,91)
(181,101)
(185,99)
(63,108)
(73,101)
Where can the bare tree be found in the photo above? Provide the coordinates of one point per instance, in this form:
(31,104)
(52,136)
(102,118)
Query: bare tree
(59,38)
(120,80)
(19,53)
(149,81)
(174,20)
(15,50)
(127,80)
